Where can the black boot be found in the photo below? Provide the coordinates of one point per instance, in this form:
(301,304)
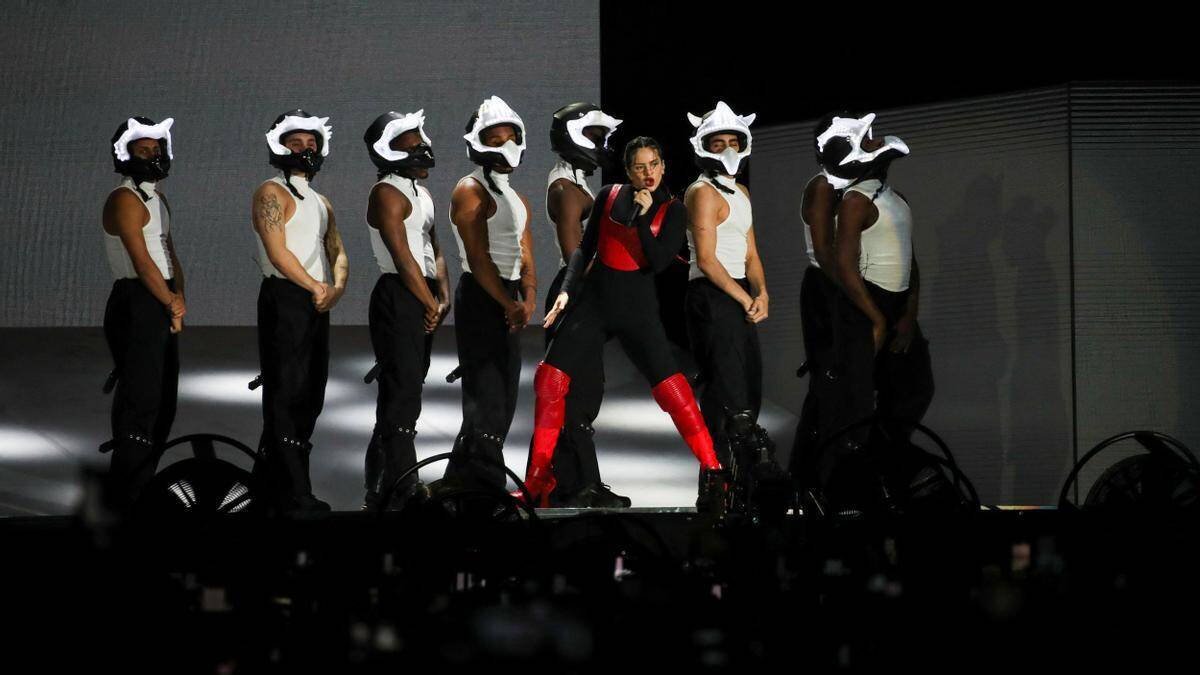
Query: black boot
(771,491)
(471,466)
(399,455)
(410,493)
(714,486)
(761,489)
(390,454)
(285,480)
(134,461)
(304,498)
(597,496)
(850,485)
(374,474)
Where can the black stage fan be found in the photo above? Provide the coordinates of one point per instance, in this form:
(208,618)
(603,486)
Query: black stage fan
(1165,478)
(894,474)
(464,499)
(201,485)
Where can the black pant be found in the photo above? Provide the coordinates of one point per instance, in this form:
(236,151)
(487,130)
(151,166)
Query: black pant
(897,388)
(145,354)
(402,348)
(575,462)
(672,285)
(293,352)
(820,412)
(490,360)
(726,348)
(616,304)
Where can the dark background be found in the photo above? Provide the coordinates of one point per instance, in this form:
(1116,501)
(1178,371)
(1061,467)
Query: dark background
(788,63)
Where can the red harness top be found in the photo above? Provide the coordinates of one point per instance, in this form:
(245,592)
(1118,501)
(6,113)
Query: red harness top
(619,246)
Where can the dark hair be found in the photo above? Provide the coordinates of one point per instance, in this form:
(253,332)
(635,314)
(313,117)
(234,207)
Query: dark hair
(638,143)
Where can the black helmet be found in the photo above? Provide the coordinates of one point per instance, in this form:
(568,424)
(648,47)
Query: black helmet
(137,128)
(293,121)
(567,139)
(387,127)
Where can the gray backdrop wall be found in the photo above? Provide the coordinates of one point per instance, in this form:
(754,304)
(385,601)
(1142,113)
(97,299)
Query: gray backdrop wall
(73,71)
(1015,199)
(1135,180)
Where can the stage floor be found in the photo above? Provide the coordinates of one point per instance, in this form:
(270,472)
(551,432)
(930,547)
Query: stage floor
(53,415)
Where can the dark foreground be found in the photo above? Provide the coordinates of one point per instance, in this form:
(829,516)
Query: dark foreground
(601,592)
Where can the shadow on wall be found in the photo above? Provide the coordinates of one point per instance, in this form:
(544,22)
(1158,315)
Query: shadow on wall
(997,337)
(1038,455)
(970,355)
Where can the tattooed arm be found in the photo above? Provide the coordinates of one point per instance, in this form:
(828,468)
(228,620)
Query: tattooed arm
(272,208)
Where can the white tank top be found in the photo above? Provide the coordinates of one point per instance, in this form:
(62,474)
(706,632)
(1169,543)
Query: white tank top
(305,232)
(155,233)
(562,169)
(808,240)
(731,232)
(417,227)
(504,228)
(886,251)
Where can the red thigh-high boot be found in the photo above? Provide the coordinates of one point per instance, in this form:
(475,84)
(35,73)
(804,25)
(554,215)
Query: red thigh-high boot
(674,395)
(550,385)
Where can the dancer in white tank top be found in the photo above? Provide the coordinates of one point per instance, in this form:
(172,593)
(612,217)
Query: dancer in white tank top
(884,359)
(496,292)
(408,303)
(726,299)
(304,268)
(145,308)
(818,294)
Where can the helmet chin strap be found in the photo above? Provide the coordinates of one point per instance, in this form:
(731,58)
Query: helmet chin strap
(712,180)
(287,180)
(487,175)
(580,169)
(405,172)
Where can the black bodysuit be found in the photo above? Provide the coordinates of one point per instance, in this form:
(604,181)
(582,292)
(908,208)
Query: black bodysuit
(619,299)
